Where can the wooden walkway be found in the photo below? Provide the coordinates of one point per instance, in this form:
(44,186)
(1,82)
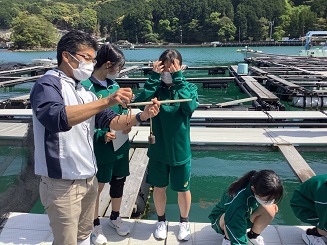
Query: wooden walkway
(18,80)
(138,163)
(34,229)
(260,91)
(27,70)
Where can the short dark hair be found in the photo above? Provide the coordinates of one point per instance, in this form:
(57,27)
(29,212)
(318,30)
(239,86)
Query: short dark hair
(72,42)
(170,55)
(109,52)
(265,182)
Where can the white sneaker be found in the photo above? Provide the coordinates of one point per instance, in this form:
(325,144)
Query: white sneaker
(161,231)
(97,237)
(184,231)
(226,242)
(121,228)
(258,241)
(312,240)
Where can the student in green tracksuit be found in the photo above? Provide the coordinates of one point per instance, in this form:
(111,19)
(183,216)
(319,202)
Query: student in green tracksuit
(170,156)
(249,202)
(113,166)
(309,204)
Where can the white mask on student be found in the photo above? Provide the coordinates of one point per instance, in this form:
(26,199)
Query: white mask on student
(83,71)
(267,203)
(112,77)
(166,77)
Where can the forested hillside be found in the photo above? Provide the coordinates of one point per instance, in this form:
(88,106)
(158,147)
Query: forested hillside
(189,21)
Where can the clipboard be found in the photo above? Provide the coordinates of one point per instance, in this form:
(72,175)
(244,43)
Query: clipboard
(120,139)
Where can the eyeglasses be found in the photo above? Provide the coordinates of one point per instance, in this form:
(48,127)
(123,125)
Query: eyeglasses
(87,58)
(115,68)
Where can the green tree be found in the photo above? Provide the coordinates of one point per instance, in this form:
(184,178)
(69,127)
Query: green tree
(33,32)
(8,11)
(63,15)
(320,7)
(164,29)
(227,29)
(88,20)
(195,31)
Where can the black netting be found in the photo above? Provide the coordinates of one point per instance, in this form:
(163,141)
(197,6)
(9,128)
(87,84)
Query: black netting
(23,194)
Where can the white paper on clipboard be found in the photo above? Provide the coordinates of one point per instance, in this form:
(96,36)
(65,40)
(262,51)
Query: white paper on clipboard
(120,139)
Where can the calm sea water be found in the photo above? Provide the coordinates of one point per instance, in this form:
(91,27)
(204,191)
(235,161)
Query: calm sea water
(213,171)
(200,56)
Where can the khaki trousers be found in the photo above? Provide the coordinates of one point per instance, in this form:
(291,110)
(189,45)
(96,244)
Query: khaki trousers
(70,206)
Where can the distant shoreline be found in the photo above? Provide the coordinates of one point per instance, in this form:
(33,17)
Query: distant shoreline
(181,45)
(222,44)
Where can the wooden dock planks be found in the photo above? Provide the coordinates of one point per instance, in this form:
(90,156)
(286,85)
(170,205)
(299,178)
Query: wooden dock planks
(258,71)
(258,89)
(19,80)
(104,199)
(299,166)
(284,82)
(138,165)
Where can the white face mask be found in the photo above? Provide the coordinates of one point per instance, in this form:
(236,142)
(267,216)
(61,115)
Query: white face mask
(267,203)
(112,77)
(166,77)
(83,71)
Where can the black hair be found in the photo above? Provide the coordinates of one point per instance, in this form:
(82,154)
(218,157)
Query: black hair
(111,53)
(72,41)
(171,55)
(265,182)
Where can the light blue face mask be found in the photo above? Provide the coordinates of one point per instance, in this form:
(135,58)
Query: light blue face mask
(166,77)
(262,202)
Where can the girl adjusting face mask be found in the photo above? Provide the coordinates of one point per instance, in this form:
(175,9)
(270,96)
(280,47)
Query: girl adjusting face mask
(84,69)
(166,77)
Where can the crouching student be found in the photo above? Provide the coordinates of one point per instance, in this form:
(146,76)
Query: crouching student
(309,204)
(249,202)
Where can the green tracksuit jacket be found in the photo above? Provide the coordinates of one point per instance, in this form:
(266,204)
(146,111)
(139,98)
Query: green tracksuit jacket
(171,126)
(105,152)
(309,201)
(238,211)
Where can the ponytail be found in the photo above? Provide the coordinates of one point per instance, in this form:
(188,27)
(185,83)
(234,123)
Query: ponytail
(241,183)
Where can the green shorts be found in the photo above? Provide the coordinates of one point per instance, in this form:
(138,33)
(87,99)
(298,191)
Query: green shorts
(218,229)
(119,168)
(160,175)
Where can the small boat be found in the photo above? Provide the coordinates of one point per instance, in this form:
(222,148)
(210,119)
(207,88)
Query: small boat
(44,62)
(248,53)
(311,49)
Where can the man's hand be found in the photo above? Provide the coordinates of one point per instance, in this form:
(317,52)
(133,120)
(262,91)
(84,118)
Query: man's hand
(126,131)
(122,96)
(150,110)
